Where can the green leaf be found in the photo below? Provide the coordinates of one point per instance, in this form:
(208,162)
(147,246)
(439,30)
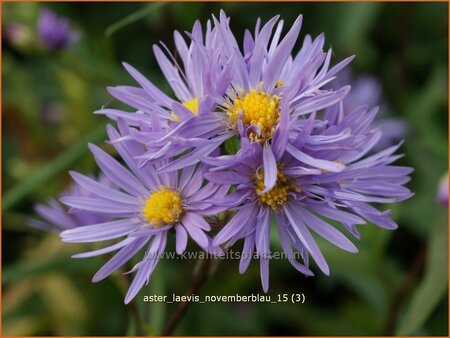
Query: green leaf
(52,169)
(433,286)
(133,17)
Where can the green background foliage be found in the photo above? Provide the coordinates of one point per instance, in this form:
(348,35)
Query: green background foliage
(396,284)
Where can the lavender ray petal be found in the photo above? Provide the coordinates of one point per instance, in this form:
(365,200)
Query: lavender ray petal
(181,239)
(305,237)
(102,190)
(100,232)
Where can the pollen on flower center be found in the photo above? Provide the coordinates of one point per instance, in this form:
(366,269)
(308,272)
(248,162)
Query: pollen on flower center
(163,207)
(260,109)
(192,105)
(276,197)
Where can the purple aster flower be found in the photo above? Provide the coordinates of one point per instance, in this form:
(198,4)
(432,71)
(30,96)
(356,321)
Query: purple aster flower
(199,81)
(144,208)
(55,32)
(366,90)
(309,189)
(56,217)
(263,89)
(442,195)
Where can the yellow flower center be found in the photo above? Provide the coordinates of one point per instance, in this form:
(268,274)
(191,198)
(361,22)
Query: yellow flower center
(276,197)
(192,105)
(259,108)
(163,207)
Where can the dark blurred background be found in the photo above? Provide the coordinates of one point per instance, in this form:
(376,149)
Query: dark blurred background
(395,285)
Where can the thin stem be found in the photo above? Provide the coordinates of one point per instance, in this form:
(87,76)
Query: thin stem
(404,290)
(198,281)
(125,280)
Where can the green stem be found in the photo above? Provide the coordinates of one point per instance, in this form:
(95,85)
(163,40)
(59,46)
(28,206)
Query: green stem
(133,17)
(199,279)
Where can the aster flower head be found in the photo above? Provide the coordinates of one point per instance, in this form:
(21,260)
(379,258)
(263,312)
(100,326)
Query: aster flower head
(268,72)
(55,32)
(144,207)
(199,80)
(242,91)
(322,175)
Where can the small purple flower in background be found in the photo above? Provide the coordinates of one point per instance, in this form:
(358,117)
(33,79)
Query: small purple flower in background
(55,32)
(56,217)
(368,91)
(442,195)
(394,129)
(144,207)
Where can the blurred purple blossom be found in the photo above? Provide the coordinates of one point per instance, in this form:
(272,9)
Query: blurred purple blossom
(367,90)
(442,195)
(57,217)
(55,32)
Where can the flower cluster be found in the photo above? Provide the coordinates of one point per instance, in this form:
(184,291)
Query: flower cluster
(254,132)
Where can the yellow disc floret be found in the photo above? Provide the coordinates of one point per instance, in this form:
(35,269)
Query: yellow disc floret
(192,105)
(258,108)
(276,197)
(163,207)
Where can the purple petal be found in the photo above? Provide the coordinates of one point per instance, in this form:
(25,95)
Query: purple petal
(284,240)
(281,54)
(117,173)
(147,266)
(119,259)
(181,239)
(326,231)
(264,270)
(56,215)
(96,204)
(245,215)
(316,163)
(196,233)
(149,87)
(247,253)
(336,214)
(102,251)
(305,237)
(101,231)
(270,169)
(102,190)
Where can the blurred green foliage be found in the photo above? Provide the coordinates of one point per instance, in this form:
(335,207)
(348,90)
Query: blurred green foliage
(396,284)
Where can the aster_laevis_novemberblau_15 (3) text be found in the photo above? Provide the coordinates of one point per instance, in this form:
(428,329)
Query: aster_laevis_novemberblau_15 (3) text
(252,130)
